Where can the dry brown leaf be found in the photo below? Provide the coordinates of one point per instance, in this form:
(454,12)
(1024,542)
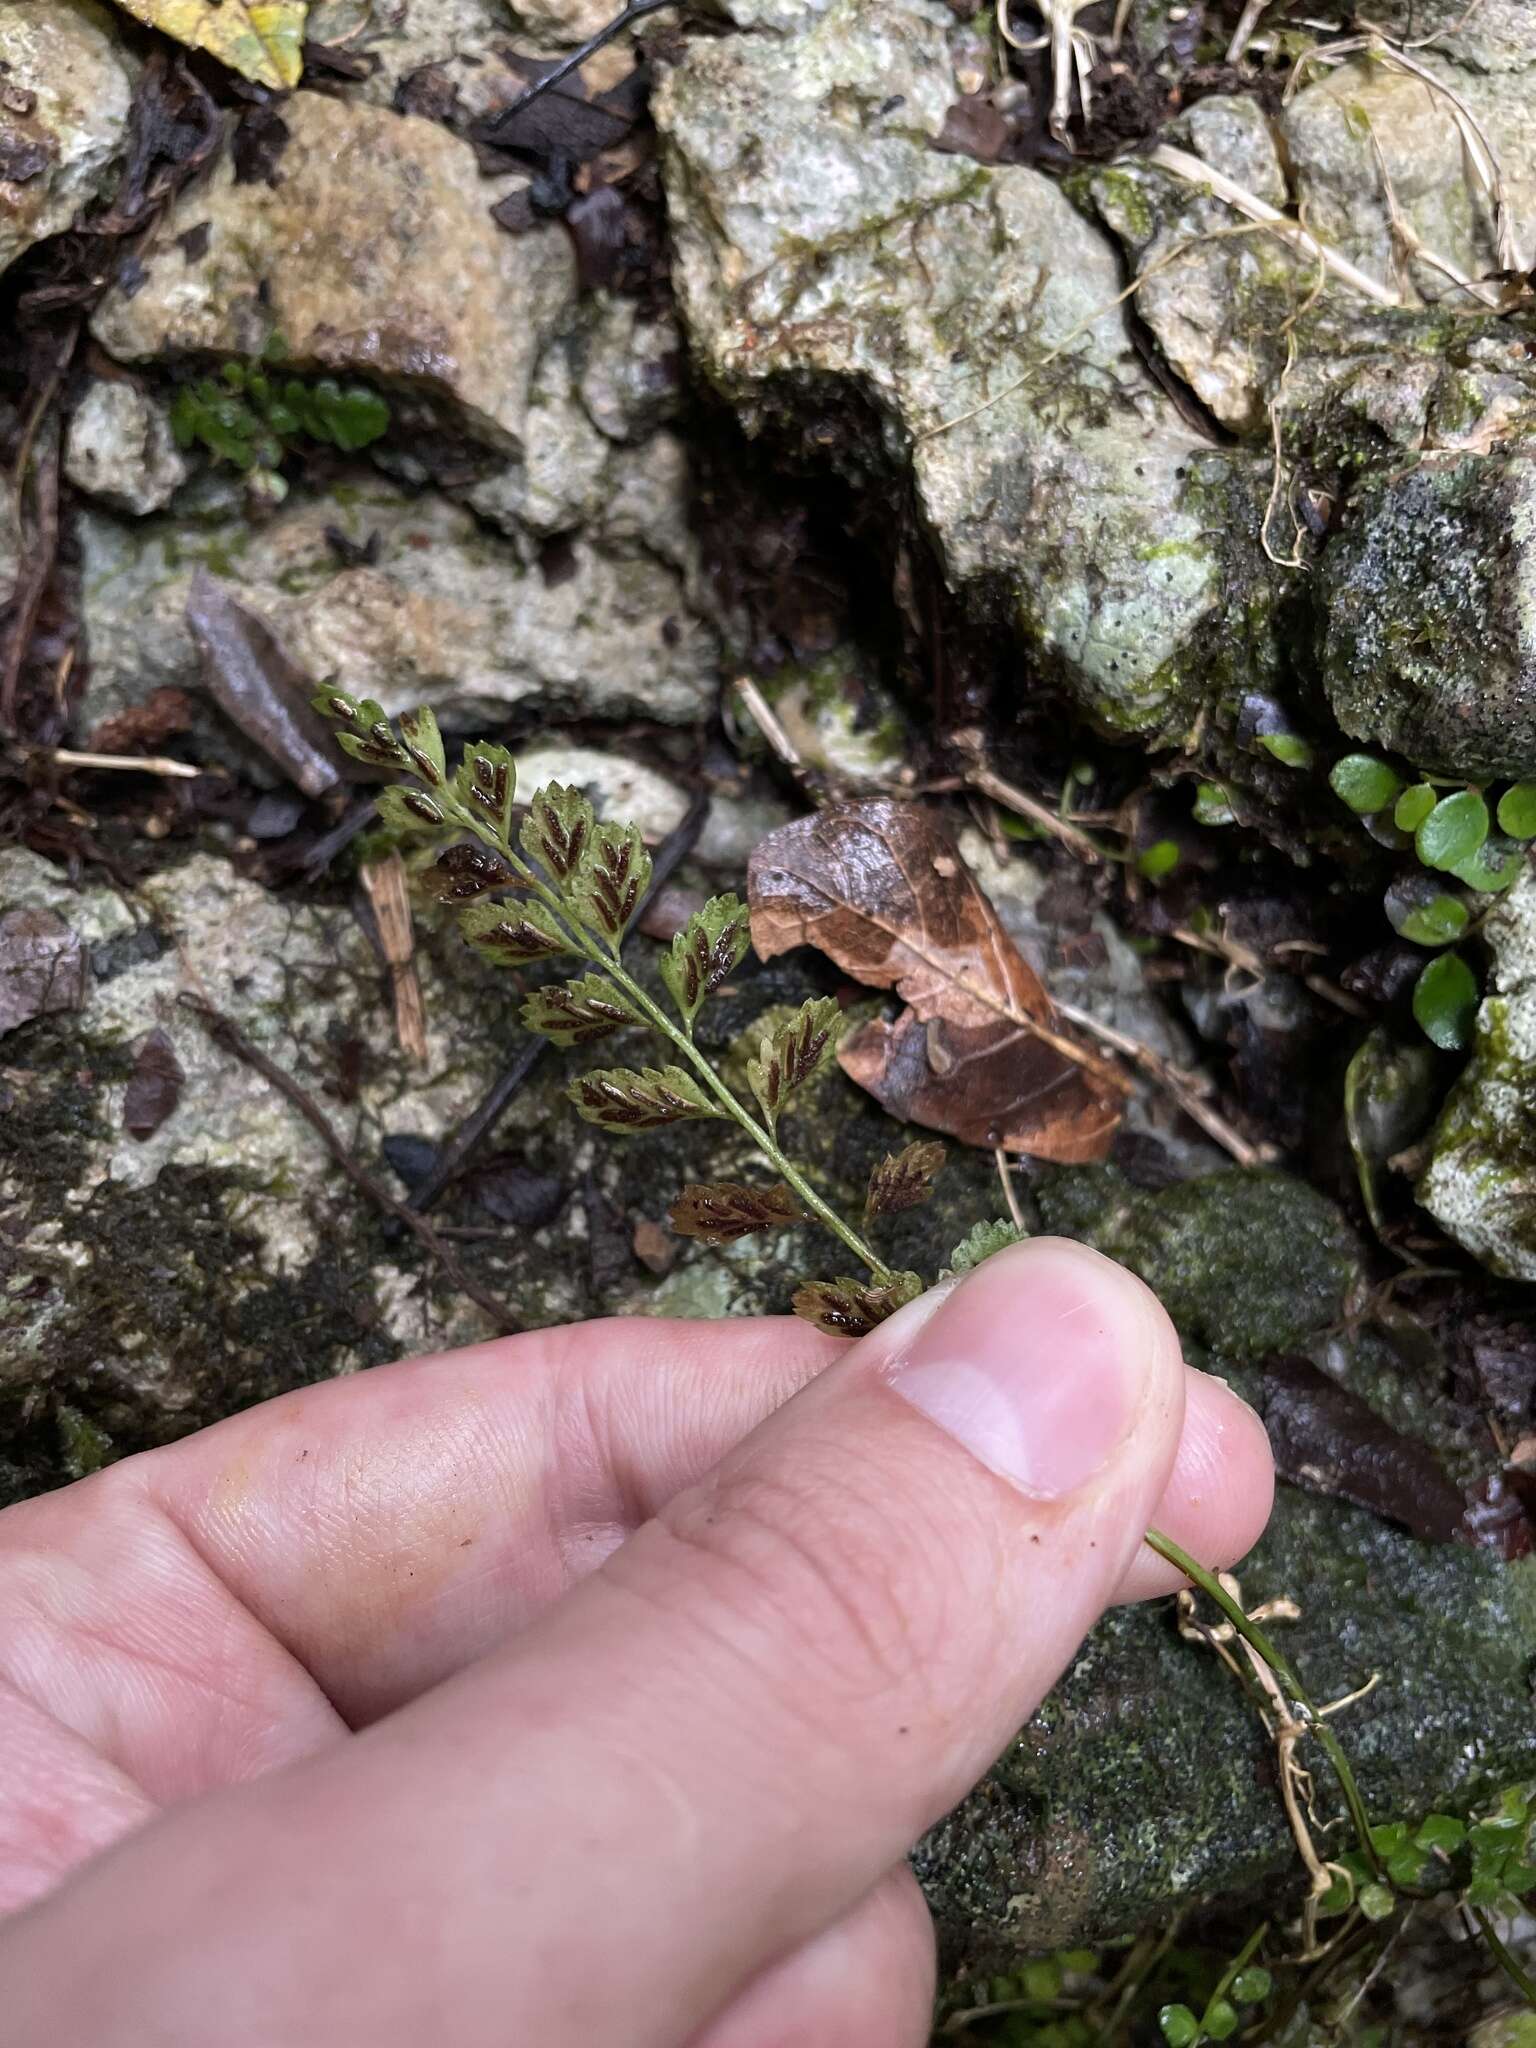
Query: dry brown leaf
(154,1087)
(42,967)
(880,889)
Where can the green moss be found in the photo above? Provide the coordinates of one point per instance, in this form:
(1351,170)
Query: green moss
(1147,1780)
(1245,1263)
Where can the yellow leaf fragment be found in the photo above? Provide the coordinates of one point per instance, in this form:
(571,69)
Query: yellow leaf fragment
(261,39)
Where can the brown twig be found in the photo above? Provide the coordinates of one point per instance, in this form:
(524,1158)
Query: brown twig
(472,1133)
(1191,1091)
(40,457)
(1010,1195)
(384,880)
(224,1031)
(1012,798)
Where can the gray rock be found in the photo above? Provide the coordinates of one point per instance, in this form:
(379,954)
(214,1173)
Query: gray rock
(1480,1184)
(119,448)
(456,39)
(931,287)
(373,254)
(1370,120)
(1430,637)
(1216,301)
(58,152)
(445,613)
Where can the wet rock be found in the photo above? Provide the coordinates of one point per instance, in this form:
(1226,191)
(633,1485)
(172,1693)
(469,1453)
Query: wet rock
(120,448)
(372,253)
(966,307)
(155,1280)
(1480,1184)
(403,598)
(1147,1777)
(63,122)
(1429,645)
(1216,302)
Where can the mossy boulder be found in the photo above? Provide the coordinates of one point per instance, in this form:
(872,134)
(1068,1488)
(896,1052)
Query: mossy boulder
(1429,646)
(1480,1184)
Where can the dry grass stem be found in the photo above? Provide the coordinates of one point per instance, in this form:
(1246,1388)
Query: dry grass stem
(389,896)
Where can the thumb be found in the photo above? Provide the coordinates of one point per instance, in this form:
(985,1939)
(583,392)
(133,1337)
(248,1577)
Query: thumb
(716,1745)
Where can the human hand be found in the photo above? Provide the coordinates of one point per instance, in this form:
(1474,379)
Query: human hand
(583,1689)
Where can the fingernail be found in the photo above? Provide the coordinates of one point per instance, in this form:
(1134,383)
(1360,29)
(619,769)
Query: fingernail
(1036,1363)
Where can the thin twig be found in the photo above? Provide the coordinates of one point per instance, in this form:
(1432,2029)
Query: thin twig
(635,11)
(1012,798)
(472,1133)
(1144,276)
(1189,1090)
(1010,1194)
(1181,164)
(127,764)
(1247,22)
(385,883)
(224,1031)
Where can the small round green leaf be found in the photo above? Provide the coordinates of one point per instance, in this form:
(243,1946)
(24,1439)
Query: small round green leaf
(1517,810)
(1159,859)
(1445,1000)
(1441,1831)
(1252,1986)
(1440,922)
(1221,2019)
(1453,831)
(1288,748)
(1493,867)
(1413,807)
(1365,783)
(1179,2025)
(1376,1901)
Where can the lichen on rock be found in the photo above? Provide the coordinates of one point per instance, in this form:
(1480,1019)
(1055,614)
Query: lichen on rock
(64,122)
(973,312)
(1480,1184)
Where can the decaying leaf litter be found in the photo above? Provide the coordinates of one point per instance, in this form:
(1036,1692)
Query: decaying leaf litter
(1277,966)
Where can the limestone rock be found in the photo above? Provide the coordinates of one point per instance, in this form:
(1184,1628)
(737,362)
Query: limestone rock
(456,40)
(1430,636)
(373,254)
(1480,1184)
(967,307)
(1370,119)
(1215,301)
(120,448)
(70,84)
(443,613)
